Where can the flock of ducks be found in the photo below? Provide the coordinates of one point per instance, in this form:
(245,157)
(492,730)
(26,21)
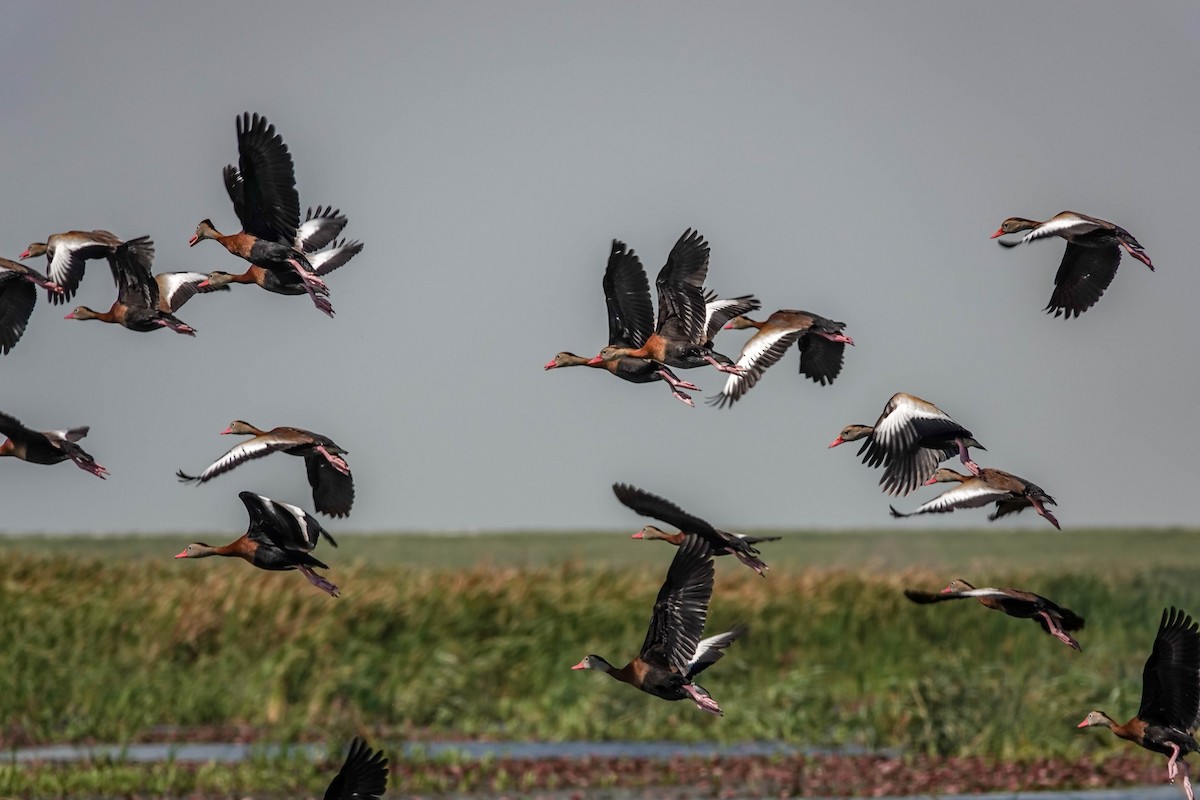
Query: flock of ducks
(909,440)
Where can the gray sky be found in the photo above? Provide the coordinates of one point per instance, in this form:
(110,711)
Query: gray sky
(845,158)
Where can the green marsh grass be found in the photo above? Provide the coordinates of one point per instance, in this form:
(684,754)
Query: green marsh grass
(112,640)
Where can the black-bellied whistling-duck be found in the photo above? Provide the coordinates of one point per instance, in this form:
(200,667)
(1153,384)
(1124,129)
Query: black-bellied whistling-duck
(364,775)
(820,341)
(681,338)
(911,437)
(1166,720)
(280,536)
(137,306)
(318,231)
(630,323)
(263,190)
(46,447)
(328,473)
(722,542)
(673,653)
(1007,491)
(1090,261)
(1053,618)
(65,256)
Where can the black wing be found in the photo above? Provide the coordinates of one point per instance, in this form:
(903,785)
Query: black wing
(17,298)
(1082,277)
(651,505)
(364,775)
(681,608)
(282,525)
(1171,678)
(333,492)
(627,295)
(680,285)
(270,202)
(821,359)
(130,265)
(236,189)
(918,596)
(11,427)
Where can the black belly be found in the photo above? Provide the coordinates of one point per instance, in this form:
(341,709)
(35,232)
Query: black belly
(1156,738)
(273,558)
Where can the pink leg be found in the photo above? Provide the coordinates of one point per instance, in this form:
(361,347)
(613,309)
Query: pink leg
(965,457)
(671,378)
(1172,767)
(703,701)
(337,462)
(732,369)
(756,564)
(319,582)
(315,287)
(180,327)
(681,397)
(1045,512)
(1187,780)
(836,337)
(92,467)
(1139,255)
(1058,632)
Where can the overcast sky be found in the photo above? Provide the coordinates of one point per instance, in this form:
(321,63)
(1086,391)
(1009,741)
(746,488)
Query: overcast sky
(848,159)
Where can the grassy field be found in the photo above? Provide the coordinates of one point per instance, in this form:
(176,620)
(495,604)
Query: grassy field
(473,636)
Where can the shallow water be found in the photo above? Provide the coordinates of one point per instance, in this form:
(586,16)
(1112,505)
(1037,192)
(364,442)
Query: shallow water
(232,753)
(533,751)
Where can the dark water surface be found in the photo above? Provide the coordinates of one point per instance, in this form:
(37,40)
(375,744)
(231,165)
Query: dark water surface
(230,753)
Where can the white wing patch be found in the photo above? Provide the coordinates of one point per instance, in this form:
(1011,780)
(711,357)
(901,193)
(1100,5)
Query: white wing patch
(762,351)
(1060,225)
(894,431)
(63,265)
(255,448)
(318,229)
(969,494)
(712,643)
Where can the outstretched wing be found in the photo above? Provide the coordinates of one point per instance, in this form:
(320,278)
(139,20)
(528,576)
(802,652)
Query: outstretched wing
(333,492)
(760,352)
(283,525)
(1171,677)
(627,296)
(1082,277)
(680,285)
(271,204)
(326,261)
(651,505)
(235,187)
(710,650)
(320,227)
(11,427)
(130,265)
(720,310)
(681,608)
(364,775)
(820,359)
(257,447)
(176,288)
(968,494)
